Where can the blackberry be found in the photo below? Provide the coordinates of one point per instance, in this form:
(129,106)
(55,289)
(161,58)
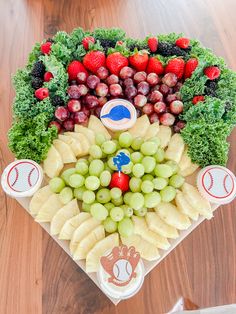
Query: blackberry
(167,50)
(228,106)
(107,43)
(36,82)
(211,87)
(38,69)
(57,101)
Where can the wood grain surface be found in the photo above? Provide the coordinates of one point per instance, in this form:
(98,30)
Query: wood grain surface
(36,275)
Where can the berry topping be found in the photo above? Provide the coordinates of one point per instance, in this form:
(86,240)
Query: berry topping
(41,93)
(93,60)
(190,67)
(86,41)
(47,76)
(175,66)
(212,72)
(182,42)
(36,82)
(57,101)
(155,66)
(38,69)
(196,99)
(46,47)
(139,60)
(153,44)
(74,68)
(115,62)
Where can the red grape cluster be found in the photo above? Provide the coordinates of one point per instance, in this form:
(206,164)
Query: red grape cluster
(158,97)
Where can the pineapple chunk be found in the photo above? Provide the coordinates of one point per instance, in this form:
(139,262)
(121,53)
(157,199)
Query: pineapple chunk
(39,198)
(164,134)
(156,224)
(65,151)
(71,224)
(152,131)
(140,128)
(175,148)
(49,209)
(87,132)
(184,207)
(53,163)
(96,126)
(73,143)
(82,140)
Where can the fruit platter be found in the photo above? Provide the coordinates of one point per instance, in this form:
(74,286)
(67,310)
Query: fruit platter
(126,139)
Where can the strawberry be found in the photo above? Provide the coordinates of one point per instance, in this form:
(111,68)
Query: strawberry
(196,99)
(153,44)
(115,62)
(93,60)
(139,60)
(182,42)
(120,180)
(46,47)
(155,66)
(212,72)
(86,41)
(175,66)
(74,68)
(41,93)
(47,76)
(119,43)
(190,67)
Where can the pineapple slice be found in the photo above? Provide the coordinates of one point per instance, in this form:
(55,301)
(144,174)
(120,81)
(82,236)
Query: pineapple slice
(96,126)
(65,151)
(82,231)
(156,224)
(141,228)
(39,198)
(164,134)
(73,143)
(82,139)
(199,203)
(99,249)
(175,148)
(184,207)
(141,127)
(71,225)
(87,132)
(88,242)
(53,163)
(49,209)
(188,171)
(169,213)
(151,131)
(147,250)
(66,212)
(185,160)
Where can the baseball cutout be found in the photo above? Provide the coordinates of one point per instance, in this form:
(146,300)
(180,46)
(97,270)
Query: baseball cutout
(23,176)
(122,270)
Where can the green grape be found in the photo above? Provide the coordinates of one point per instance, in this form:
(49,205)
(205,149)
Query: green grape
(155,140)
(85,160)
(163,171)
(160,183)
(130,150)
(111,164)
(109,206)
(88,197)
(168,194)
(76,180)
(99,211)
(147,177)
(149,148)
(137,142)
(67,173)
(108,147)
(128,211)
(127,197)
(81,167)
(173,164)
(86,207)
(115,193)
(152,199)
(66,195)
(92,183)
(95,151)
(110,225)
(140,212)
(116,214)
(56,184)
(149,164)
(136,157)
(125,139)
(147,186)
(103,196)
(176,181)
(126,227)
(105,178)
(107,168)
(137,201)
(127,169)
(99,139)
(138,170)
(78,193)
(135,184)
(96,167)
(117,144)
(160,155)
(118,201)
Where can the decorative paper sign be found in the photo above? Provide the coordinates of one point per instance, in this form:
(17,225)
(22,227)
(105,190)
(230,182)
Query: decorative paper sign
(121,160)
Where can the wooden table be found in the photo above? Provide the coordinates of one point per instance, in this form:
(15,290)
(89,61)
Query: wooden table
(36,276)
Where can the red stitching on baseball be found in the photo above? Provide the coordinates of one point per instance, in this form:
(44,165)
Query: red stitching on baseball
(29,181)
(16,178)
(224,183)
(212,181)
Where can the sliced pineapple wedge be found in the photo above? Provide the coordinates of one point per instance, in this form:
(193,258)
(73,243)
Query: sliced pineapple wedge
(164,134)
(53,163)
(82,231)
(82,139)
(87,132)
(71,225)
(66,212)
(188,171)
(88,242)
(175,148)
(73,143)
(141,228)
(99,249)
(96,126)
(184,207)
(147,250)
(49,209)
(67,154)
(156,224)
(141,127)
(152,131)
(39,198)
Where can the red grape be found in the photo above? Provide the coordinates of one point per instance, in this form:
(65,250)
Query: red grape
(160,107)
(69,125)
(85,110)
(140,100)
(167,119)
(97,111)
(92,81)
(80,118)
(179,126)
(112,79)
(82,77)
(140,76)
(102,73)
(115,90)
(155,96)
(170,98)
(156,87)
(102,89)
(83,90)
(131,91)
(153,79)
(102,101)
(178,96)
(74,105)
(73,92)
(91,101)
(154,117)
(164,89)
(56,124)
(128,82)
(176,106)
(61,113)
(139,112)
(170,79)
(148,109)
(143,88)
(178,86)
(126,72)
